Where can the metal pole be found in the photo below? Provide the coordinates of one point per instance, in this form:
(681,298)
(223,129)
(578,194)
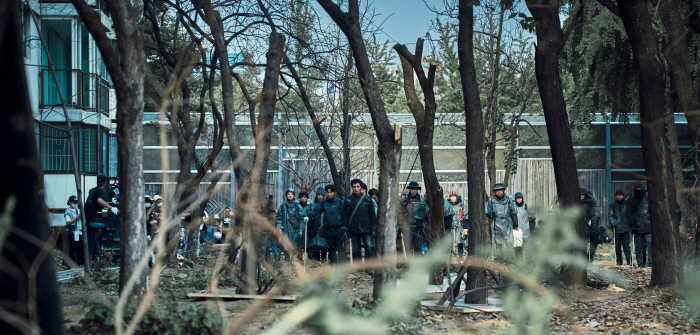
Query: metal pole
(74,157)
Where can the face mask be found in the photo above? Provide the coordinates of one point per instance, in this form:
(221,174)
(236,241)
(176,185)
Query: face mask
(638,194)
(160,205)
(72,205)
(148,205)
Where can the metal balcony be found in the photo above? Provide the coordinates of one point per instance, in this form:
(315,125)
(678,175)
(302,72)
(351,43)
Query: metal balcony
(83,90)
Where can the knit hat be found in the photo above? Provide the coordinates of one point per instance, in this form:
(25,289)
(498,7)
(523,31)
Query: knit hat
(582,191)
(638,184)
(517,195)
(303,194)
(619,192)
(453,193)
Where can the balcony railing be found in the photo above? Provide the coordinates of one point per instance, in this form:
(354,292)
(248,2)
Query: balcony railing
(98,4)
(80,89)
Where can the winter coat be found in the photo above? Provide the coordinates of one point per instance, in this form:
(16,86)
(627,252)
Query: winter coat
(638,214)
(423,208)
(502,212)
(459,220)
(331,210)
(362,220)
(617,216)
(409,206)
(293,227)
(316,241)
(526,218)
(589,217)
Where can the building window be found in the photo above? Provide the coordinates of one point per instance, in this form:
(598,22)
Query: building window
(89,149)
(55,148)
(57,34)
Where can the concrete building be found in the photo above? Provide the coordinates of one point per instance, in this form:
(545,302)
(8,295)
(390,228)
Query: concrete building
(86,86)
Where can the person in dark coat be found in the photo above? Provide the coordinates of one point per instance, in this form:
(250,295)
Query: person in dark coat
(360,220)
(591,222)
(290,219)
(617,221)
(637,212)
(317,244)
(333,230)
(413,234)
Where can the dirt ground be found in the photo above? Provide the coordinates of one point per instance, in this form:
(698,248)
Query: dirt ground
(585,311)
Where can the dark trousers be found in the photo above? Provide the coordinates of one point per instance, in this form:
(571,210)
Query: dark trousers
(642,248)
(417,233)
(334,238)
(593,241)
(93,242)
(622,242)
(357,240)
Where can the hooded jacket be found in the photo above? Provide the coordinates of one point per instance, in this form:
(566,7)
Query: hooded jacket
(331,210)
(526,216)
(291,220)
(315,222)
(617,216)
(362,220)
(589,217)
(637,212)
(459,220)
(503,213)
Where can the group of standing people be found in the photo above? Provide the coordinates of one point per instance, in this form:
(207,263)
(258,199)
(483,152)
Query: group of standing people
(411,232)
(629,217)
(328,222)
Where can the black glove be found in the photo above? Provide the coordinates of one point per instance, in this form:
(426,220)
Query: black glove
(345,232)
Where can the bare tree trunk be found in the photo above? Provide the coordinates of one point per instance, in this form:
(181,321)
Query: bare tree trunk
(257,181)
(550,41)
(346,127)
(389,148)
(492,101)
(478,226)
(425,127)
(676,54)
(675,157)
(316,123)
(665,241)
(30,300)
(127,70)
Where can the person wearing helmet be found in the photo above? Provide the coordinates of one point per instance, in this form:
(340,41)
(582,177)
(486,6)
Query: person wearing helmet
(502,214)
(290,220)
(526,217)
(413,232)
(96,201)
(459,221)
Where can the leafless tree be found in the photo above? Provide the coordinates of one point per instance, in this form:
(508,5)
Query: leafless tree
(389,148)
(126,66)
